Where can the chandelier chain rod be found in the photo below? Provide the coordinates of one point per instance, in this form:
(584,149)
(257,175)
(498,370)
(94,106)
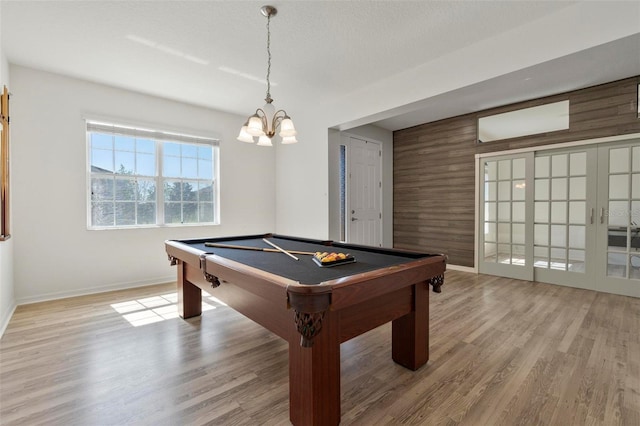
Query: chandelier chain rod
(268,99)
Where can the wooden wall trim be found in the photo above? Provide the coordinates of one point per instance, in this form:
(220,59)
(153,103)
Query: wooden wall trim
(434,164)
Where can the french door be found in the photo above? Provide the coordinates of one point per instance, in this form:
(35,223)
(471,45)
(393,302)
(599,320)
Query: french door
(569,217)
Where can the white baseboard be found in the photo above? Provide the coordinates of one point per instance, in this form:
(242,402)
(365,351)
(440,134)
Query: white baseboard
(94,290)
(462,268)
(4,322)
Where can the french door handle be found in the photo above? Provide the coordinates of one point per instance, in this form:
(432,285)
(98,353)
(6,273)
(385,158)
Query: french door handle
(601,214)
(591,218)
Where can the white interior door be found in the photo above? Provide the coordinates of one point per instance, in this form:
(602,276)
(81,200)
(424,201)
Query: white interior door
(364,192)
(506,216)
(567,217)
(618,219)
(564,217)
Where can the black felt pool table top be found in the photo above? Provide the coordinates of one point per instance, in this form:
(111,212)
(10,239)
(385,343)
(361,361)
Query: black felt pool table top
(305,270)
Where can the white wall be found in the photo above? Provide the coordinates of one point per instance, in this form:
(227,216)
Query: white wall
(54,254)
(301,180)
(7,298)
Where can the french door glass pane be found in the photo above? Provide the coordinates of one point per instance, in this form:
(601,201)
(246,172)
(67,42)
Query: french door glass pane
(542,189)
(560,201)
(578,164)
(504,229)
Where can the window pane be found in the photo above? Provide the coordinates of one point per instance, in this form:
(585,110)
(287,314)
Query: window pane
(618,213)
(490,232)
(491,191)
(518,168)
(102,189)
(99,140)
(518,212)
(559,235)
(125,162)
(102,214)
(635,186)
(101,161)
(490,211)
(205,191)
(559,212)
(518,190)
(190,212)
(189,192)
(541,211)
(170,148)
(558,259)
(559,165)
(504,169)
(504,190)
(542,167)
(205,171)
(126,189)
(146,164)
(619,160)
(146,190)
(542,189)
(205,152)
(517,233)
(576,261)
(578,163)
(171,166)
(617,265)
(618,187)
(125,213)
(491,170)
(504,233)
(124,143)
(206,212)
(146,146)
(541,235)
(146,213)
(541,257)
(577,237)
(504,212)
(172,190)
(189,168)
(490,252)
(578,212)
(190,151)
(578,188)
(172,213)
(559,189)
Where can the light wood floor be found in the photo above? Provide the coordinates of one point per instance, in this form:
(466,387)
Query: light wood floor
(503,352)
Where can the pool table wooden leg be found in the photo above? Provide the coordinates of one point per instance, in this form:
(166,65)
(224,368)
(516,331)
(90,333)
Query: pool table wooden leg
(314,376)
(410,333)
(189,295)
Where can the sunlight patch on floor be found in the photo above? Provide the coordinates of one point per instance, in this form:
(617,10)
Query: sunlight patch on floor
(157,308)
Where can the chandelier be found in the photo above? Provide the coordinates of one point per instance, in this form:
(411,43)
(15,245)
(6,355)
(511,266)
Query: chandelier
(265,122)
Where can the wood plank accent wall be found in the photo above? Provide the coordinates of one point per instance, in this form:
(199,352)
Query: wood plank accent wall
(434,164)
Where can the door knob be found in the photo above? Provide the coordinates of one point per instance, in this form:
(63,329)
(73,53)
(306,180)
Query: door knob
(354,218)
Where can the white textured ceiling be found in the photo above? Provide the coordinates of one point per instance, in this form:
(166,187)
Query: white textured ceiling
(213,53)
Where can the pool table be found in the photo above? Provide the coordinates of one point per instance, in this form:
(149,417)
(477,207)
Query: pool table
(314,308)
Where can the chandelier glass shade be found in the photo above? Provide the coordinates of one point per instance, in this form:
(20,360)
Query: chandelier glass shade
(266,121)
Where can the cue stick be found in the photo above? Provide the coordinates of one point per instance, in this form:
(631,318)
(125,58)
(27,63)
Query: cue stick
(231,246)
(279,248)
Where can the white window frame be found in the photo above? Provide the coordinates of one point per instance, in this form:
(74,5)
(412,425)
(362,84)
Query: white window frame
(160,137)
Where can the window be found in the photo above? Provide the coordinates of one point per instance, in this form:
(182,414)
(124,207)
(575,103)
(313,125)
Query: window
(141,178)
